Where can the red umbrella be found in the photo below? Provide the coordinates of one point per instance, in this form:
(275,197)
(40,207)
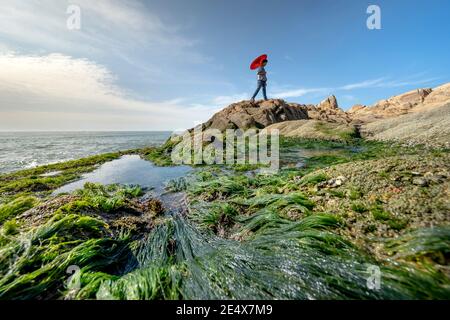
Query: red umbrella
(258,61)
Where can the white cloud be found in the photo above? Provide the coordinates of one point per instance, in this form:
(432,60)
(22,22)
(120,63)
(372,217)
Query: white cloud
(71,90)
(108,27)
(299,92)
(387,83)
(363,84)
(349,97)
(405,83)
(384,82)
(226,100)
(5,48)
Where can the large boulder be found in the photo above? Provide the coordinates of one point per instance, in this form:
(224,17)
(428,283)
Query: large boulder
(356,109)
(329,103)
(328,110)
(246,114)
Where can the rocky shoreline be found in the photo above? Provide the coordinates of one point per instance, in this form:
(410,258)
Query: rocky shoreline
(417,117)
(227,232)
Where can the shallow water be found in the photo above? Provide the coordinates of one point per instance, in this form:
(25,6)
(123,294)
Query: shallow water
(297,157)
(129,170)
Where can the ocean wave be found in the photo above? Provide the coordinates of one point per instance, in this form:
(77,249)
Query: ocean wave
(31,165)
(29,150)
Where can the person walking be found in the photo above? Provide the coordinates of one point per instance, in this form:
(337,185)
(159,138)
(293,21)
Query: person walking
(262,81)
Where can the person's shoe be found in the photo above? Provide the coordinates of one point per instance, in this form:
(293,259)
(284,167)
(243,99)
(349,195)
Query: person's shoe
(252,100)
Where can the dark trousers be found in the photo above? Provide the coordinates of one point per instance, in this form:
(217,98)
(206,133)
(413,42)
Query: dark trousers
(261,84)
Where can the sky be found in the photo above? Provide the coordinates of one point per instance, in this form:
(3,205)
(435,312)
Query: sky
(171,64)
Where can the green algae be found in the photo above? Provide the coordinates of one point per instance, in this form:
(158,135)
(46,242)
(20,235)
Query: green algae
(17,206)
(192,264)
(243,237)
(33,181)
(433,242)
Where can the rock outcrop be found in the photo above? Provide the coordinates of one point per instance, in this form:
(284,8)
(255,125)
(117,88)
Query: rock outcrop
(417,116)
(438,97)
(421,116)
(260,114)
(314,129)
(430,127)
(329,103)
(417,100)
(328,110)
(356,108)
(245,115)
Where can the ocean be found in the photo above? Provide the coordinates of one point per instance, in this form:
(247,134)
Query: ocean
(22,150)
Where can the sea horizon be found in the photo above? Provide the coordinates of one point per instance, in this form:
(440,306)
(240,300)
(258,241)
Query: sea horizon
(29,149)
(75,131)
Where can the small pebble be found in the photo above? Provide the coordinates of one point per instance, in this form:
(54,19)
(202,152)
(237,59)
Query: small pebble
(420,182)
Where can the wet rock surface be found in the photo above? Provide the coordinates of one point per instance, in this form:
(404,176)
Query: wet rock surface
(383,198)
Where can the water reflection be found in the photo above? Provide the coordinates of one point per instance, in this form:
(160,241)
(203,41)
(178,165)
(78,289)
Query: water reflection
(129,170)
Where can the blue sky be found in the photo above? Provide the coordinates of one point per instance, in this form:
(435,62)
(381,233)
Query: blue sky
(155,65)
